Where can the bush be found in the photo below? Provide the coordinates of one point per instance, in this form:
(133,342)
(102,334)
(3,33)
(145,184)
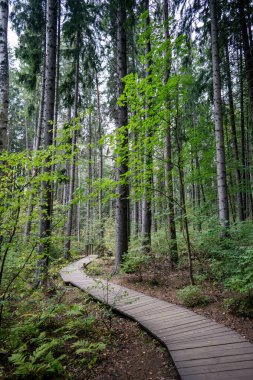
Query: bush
(135,262)
(192,295)
(239,306)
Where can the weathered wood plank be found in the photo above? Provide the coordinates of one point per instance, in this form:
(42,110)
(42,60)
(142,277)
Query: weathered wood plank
(245,374)
(216,360)
(240,348)
(209,368)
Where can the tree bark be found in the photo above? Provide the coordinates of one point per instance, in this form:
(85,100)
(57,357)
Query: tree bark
(69,222)
(122,201)
(100,161)
(168,152)
(247,52)
(4,74)
(148,160)
(48,117)
(89,170)
(219,132)
(239,194)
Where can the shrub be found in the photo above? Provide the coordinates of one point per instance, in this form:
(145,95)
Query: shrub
(239,306)
(192,295)
(135,262)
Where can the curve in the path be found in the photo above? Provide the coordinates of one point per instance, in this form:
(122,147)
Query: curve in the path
(200,348)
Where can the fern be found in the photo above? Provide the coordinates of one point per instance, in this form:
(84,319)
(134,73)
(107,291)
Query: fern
(76,310)
(86,347)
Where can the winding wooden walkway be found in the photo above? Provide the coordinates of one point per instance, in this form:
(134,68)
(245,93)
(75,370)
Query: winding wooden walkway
(200,348)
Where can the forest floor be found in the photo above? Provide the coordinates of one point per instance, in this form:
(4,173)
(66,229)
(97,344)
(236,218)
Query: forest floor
(159,280)
(130,353)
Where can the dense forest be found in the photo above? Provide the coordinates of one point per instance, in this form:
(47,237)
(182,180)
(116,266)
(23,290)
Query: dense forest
(126,130)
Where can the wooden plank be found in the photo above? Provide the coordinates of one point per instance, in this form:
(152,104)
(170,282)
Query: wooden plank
(216,360)
(173,322)
(205,343)
(197,338)
(140,306)
(200,331)
(160,312)
(193,326)
(212,352)
(241,374)
(217,367)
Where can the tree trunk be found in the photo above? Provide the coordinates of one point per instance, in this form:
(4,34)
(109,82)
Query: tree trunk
(185,221)
(239,194)
(4,74)
(46,193)
(57,77)
(100,162)
(168,153)
(247,52)
(58,43)
(219,132)
(122,202)
(243,139)
(148,160)
(89,170)
(69,222)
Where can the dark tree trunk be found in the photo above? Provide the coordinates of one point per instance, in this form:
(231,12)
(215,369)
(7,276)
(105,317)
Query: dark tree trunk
(122,202)
(243,139)
(4,74)
(71,187)
(89,170)
(247,51)
(185,221)
(46,193)
(168,153)
(239,194)
(100,161)
(148,159)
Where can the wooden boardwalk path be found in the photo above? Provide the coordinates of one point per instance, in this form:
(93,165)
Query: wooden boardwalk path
(200,348)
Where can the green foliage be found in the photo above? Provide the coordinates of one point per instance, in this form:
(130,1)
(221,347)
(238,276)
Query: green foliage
(39,342)
(242,306)
(109,234)
(192,295)
(160,243)
(84,346)
(40,363)
(135,262)
(230,259)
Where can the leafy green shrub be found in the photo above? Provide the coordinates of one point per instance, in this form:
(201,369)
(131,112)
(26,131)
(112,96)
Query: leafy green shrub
(239,306)
(160,242)
(109,234)
(135,262)
(192,295)
(200,278)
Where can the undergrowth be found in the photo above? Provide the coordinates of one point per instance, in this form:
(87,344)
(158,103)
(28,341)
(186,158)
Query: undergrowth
(48,337)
